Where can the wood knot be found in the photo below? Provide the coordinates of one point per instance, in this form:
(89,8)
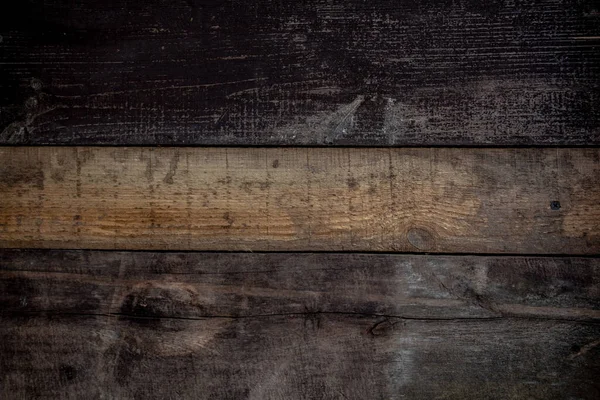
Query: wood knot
(31,103)
(149,302)
(36,84)
(421,239)
(382,327)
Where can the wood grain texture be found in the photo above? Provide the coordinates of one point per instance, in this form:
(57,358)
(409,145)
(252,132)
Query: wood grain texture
(148,325)
(431,200)
(267,72)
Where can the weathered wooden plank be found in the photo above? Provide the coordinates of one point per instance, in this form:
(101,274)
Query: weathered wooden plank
(301,199)
(292,326)
(195,285)
(432,200)
(292,357)
(300,72)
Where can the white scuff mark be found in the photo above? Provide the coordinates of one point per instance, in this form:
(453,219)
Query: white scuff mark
(388,122)
(14,133)
(402,368)
(481,279)
(586,38)
(347,113)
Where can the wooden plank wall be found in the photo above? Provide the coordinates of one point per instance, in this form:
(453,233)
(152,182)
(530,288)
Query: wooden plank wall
(317,199)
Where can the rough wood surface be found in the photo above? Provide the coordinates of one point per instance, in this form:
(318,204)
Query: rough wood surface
(433,200)
(297,326)
(399,72)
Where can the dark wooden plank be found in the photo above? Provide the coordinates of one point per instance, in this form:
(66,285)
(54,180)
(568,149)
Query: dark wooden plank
(297,326)
(527,201)
(290,357)
(266,72)
(193,285)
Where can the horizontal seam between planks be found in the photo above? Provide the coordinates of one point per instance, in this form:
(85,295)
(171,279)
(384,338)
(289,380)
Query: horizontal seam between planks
(308,252)
(310,146)
(308,314)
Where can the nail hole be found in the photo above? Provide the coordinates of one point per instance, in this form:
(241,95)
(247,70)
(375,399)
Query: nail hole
(555,205)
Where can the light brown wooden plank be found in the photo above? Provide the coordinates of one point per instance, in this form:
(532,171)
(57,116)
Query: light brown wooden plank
(425,199)
(144,325)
